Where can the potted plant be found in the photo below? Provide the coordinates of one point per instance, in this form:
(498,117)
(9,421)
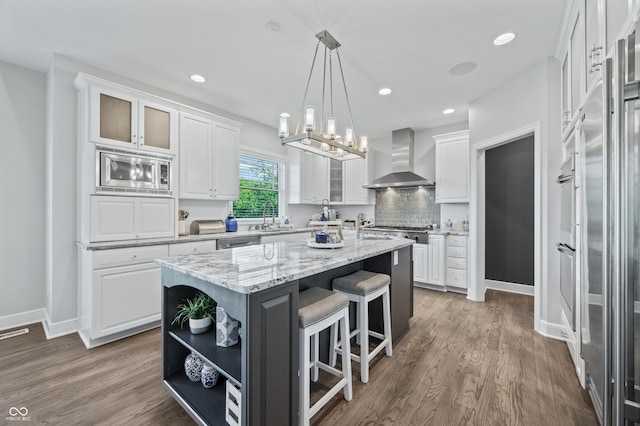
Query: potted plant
(200,311)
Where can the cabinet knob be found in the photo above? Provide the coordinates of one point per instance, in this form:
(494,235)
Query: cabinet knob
(134,256)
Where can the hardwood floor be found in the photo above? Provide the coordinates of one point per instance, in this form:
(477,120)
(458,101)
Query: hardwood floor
(461,363)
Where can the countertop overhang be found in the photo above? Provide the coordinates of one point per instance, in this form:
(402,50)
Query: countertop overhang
(255,268)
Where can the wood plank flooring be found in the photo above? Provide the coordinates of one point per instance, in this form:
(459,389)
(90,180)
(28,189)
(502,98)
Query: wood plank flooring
(462,363)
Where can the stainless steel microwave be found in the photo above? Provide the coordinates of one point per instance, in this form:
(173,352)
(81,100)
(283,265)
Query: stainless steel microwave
(126,172)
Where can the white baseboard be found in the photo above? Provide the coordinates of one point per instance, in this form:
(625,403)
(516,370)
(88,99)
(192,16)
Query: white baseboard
(22,319)
(62,328)
(551,330)
(509,287)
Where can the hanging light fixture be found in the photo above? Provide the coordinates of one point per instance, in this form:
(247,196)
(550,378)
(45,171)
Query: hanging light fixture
(313,136)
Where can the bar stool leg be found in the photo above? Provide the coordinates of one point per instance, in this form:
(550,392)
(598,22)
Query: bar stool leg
(333,339)
(359,322)
(364,340)
(387,322)
(346,355)
(304,391)
(315,353)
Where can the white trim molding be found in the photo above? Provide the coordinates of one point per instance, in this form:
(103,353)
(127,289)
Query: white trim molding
(58,329)
(477,286)
(509,287)
(22,319)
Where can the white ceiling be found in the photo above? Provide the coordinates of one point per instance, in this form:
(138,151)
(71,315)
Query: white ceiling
(408,45)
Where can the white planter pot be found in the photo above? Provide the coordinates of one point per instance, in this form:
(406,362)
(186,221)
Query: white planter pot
(199,326)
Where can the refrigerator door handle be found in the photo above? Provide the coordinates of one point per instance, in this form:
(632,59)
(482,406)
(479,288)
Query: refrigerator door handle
(564,178)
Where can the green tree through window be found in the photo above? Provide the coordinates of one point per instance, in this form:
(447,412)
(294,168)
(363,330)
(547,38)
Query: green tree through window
(258,185)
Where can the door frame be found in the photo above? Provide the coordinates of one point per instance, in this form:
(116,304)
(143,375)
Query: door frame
(477,286)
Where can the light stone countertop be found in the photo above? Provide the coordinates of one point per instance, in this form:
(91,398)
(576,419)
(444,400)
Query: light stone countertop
(106,245)
(449,232)
(255,268)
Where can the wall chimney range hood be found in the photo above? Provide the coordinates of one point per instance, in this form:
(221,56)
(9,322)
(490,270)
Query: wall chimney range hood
(402,175)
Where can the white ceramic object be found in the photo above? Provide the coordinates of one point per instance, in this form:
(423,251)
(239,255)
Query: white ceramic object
(199,326)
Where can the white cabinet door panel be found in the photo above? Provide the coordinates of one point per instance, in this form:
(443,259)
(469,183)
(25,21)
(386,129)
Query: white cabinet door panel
(156,218)
(420,260)
(125,298)
(195,157)
(112,218)
(456,278)
(226,183)
(435,272)
(452,167)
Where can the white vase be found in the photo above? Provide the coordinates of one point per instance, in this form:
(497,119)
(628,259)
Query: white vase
(199,326)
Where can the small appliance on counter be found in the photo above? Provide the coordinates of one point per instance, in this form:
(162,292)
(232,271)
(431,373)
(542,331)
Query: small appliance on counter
(448,225)
(230,223)
(210,226)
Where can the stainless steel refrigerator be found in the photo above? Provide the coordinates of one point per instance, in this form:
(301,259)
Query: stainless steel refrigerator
(610,285)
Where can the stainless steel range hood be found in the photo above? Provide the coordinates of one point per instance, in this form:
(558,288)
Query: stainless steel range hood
(402,174)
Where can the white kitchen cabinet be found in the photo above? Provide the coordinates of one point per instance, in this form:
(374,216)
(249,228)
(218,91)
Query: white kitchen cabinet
(356,175)
(345,182)
(457,262)
(573,71)
(209,159)
(616,12)
(428,261)
(120,292)
(594,52)
(452,167)
(126,218)
(196,247)
(308,177)
(126,119)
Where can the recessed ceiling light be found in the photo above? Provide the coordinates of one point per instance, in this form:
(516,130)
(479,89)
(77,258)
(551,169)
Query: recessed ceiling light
(384,91)
(272,27)
(504,39)
(198,78)
(448,111)
(462,68)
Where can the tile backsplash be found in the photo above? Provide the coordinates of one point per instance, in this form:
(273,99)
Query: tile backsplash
(407,206)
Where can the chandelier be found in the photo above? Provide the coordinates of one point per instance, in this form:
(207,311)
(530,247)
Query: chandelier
(321,140)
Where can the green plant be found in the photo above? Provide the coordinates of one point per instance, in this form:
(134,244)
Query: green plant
(201,306)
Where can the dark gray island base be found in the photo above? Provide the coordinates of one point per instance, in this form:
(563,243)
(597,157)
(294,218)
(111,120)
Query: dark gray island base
(259,286)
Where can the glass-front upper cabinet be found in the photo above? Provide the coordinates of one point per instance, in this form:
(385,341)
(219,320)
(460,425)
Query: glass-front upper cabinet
(123,120)
(336,173)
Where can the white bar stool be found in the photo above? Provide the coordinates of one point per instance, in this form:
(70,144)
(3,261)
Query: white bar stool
(362,287)
(318,310)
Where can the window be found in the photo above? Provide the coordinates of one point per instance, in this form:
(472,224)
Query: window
(259,185)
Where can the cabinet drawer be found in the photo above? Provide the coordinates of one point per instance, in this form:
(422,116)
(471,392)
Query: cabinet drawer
(456,262)
(192,248)
(453,251)
(457,240)
(456,278)
(128,256)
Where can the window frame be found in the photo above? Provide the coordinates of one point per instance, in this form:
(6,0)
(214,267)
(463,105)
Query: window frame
(282,163)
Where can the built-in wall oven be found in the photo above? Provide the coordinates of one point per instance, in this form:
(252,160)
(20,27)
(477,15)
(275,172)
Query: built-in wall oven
(118,171)
(566,246)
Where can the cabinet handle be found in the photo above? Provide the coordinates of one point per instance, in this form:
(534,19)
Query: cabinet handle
(134,256)
(594,57)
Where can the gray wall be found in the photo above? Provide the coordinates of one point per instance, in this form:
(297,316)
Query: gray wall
(22,177)
(509,212)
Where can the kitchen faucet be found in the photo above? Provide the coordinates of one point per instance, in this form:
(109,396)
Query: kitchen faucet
(264,213)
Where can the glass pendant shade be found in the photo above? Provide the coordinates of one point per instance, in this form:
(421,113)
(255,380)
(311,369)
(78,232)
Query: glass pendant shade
(309,118)
(283,129)
(364,143)
(331,127)
(348,136)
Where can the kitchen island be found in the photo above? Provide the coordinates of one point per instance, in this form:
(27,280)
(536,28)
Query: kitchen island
(259,286)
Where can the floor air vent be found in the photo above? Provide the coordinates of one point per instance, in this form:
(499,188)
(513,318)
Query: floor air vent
(14,333)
